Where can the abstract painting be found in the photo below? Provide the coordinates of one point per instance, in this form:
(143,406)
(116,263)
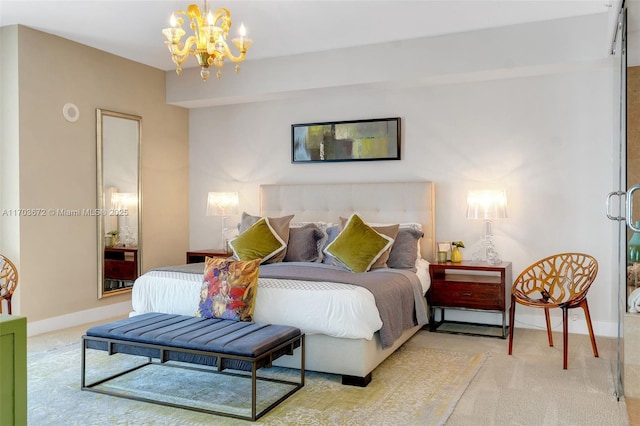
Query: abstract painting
(360,140)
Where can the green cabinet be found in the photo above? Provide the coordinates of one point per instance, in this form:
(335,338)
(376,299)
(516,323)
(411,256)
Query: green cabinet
(13,370)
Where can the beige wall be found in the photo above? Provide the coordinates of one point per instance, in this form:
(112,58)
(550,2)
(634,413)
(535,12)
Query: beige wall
(57,169)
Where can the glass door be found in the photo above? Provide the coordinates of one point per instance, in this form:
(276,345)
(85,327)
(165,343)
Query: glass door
(620,198)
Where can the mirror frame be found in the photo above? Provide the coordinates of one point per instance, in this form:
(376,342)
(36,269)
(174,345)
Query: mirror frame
(100,114)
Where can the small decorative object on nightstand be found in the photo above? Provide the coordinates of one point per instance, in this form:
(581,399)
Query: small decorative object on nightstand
(456,254)
(443,249)
(475,286)
(198,256)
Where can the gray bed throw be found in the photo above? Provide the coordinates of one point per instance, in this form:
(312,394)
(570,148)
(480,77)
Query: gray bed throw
(397,293)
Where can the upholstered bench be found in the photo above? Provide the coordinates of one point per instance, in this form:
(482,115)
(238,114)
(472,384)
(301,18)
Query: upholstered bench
(224,344)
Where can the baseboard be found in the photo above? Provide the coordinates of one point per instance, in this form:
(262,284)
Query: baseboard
(77,318)
(533,318)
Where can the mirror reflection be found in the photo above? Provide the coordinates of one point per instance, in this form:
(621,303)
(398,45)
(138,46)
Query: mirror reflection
(118,137)
(632,115)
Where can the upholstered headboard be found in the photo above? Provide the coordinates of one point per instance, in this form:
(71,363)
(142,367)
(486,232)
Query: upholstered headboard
(395,202)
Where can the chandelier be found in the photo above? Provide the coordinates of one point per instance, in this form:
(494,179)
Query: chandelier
(209,40)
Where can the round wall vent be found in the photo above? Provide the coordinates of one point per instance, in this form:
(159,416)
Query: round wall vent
(71,112)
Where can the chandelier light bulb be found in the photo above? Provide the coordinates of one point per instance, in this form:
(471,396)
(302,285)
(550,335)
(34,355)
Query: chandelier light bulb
(242,30)
(172,21)
(210,18)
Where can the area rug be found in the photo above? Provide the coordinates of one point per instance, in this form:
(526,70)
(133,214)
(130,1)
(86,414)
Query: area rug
(413,386)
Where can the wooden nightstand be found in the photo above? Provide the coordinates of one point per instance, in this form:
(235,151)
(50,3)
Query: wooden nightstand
(197,256)
(121,264)
(475,286)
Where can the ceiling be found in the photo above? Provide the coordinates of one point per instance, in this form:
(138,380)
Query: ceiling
(132,29)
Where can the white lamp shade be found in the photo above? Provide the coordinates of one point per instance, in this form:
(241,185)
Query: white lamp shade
(222,203)
(124,200)
(486,204)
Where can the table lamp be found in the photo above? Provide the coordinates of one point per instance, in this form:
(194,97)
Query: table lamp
(125,204)
(223,204)
(487,205)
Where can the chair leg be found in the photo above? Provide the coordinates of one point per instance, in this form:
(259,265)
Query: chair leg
(548,319)
(585,307)
(512,316)
(565,335)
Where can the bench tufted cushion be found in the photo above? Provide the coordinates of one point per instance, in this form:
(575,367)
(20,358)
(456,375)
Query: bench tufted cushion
(185,332)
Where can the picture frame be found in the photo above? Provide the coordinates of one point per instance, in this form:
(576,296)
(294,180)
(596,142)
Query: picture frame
(354,140)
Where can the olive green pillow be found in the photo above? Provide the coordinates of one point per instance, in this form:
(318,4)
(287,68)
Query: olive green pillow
(279,224)
(358,246)
(390,231)
(260,241)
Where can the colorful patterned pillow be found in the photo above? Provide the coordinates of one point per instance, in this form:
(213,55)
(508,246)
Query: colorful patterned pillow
(260,241)
(229,289)
(358,246)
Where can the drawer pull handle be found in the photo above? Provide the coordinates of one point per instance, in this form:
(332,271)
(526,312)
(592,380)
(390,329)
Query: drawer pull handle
(466,294)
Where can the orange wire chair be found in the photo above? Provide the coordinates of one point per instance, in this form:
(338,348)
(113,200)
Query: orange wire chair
(8,281)
(558,281)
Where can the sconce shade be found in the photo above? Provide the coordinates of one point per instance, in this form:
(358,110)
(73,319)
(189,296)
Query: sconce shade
(222,204)
(486,204)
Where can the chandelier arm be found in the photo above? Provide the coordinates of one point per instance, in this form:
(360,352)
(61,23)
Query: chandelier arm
(180,21)
(232,58)
(182,54)
(224,15)
(198,26)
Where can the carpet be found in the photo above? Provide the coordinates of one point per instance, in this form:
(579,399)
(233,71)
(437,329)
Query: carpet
(413,386)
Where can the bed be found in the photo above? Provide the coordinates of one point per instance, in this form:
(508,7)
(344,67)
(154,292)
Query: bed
(359,340)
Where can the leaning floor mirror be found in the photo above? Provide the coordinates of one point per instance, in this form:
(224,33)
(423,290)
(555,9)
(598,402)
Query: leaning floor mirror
(118,138)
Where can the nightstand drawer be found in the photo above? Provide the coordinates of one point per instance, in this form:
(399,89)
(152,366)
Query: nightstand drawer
(468,295)
(119,270)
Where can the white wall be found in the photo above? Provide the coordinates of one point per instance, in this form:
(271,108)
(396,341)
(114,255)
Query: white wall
(545,139)
(527,108)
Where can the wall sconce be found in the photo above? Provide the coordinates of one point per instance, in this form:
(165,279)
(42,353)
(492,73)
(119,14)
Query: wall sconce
(223,204)
(487,205)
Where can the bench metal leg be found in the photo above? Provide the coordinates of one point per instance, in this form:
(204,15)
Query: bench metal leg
(254,376)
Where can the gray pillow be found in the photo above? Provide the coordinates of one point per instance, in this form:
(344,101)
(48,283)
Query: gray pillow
(332,233)
(404,251)
(303,244)
(279,224)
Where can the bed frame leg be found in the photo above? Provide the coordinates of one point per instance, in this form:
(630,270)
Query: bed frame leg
(356,381)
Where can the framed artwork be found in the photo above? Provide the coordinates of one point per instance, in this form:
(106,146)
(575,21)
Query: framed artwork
(357,140)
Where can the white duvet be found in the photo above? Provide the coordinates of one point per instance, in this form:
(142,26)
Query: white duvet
(334,309)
